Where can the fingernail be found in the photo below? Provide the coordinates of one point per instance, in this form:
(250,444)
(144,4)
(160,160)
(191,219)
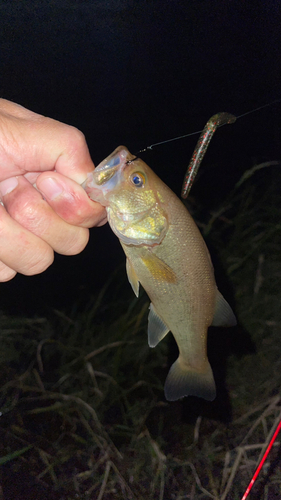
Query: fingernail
(8,185)
(50,188)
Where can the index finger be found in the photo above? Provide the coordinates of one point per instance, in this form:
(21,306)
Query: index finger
(32,142)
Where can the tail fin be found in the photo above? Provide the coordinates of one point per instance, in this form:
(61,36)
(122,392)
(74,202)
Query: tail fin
(183,381)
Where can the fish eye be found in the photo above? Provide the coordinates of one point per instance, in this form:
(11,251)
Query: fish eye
(138,179)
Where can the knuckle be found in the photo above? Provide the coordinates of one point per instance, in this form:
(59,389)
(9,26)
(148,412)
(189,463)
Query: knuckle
(77,136)
(22,251)
(29,213)
(24,214)
(75,139)
(71,137)
(39,263)
(76,242)
(6,273)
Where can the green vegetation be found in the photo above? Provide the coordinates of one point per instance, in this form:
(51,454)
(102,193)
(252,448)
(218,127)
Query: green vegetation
(83,414)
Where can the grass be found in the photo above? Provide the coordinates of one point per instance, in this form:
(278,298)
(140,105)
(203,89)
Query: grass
(83,414)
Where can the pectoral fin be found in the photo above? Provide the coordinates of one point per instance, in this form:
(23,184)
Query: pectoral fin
(158,268)
(157,329)
(132,277)
(184,381)
(224,315)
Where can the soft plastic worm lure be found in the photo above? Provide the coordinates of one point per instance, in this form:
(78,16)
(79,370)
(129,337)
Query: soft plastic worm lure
(201,147)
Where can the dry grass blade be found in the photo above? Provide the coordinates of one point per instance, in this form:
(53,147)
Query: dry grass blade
(233,472)
(270,410)
(123,483)
(268,438)
(105,479)
(249,173)
(198,482)
(105,347)
(272,402)
(49,467)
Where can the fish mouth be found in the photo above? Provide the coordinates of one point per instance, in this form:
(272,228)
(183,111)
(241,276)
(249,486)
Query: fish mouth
(108,167)
(106,175)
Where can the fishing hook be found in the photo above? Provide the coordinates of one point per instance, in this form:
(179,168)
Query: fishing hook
(131,161)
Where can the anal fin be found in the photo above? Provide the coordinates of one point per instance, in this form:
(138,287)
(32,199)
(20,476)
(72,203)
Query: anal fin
(157,329)
(224,316)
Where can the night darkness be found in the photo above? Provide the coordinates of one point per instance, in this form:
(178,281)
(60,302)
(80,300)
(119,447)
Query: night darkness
(135,73)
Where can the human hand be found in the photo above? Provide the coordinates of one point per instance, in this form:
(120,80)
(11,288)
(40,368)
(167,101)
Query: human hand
(54,217)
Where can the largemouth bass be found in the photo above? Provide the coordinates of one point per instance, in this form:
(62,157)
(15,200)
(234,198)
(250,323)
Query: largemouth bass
(168,256)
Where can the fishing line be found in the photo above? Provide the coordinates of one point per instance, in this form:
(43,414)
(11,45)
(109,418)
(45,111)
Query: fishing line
(168,140)
(199,131)
(203,142)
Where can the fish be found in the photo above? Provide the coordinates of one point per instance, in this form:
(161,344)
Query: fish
(166,254)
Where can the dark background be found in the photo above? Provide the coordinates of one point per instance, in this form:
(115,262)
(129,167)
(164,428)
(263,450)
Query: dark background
(135,73)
